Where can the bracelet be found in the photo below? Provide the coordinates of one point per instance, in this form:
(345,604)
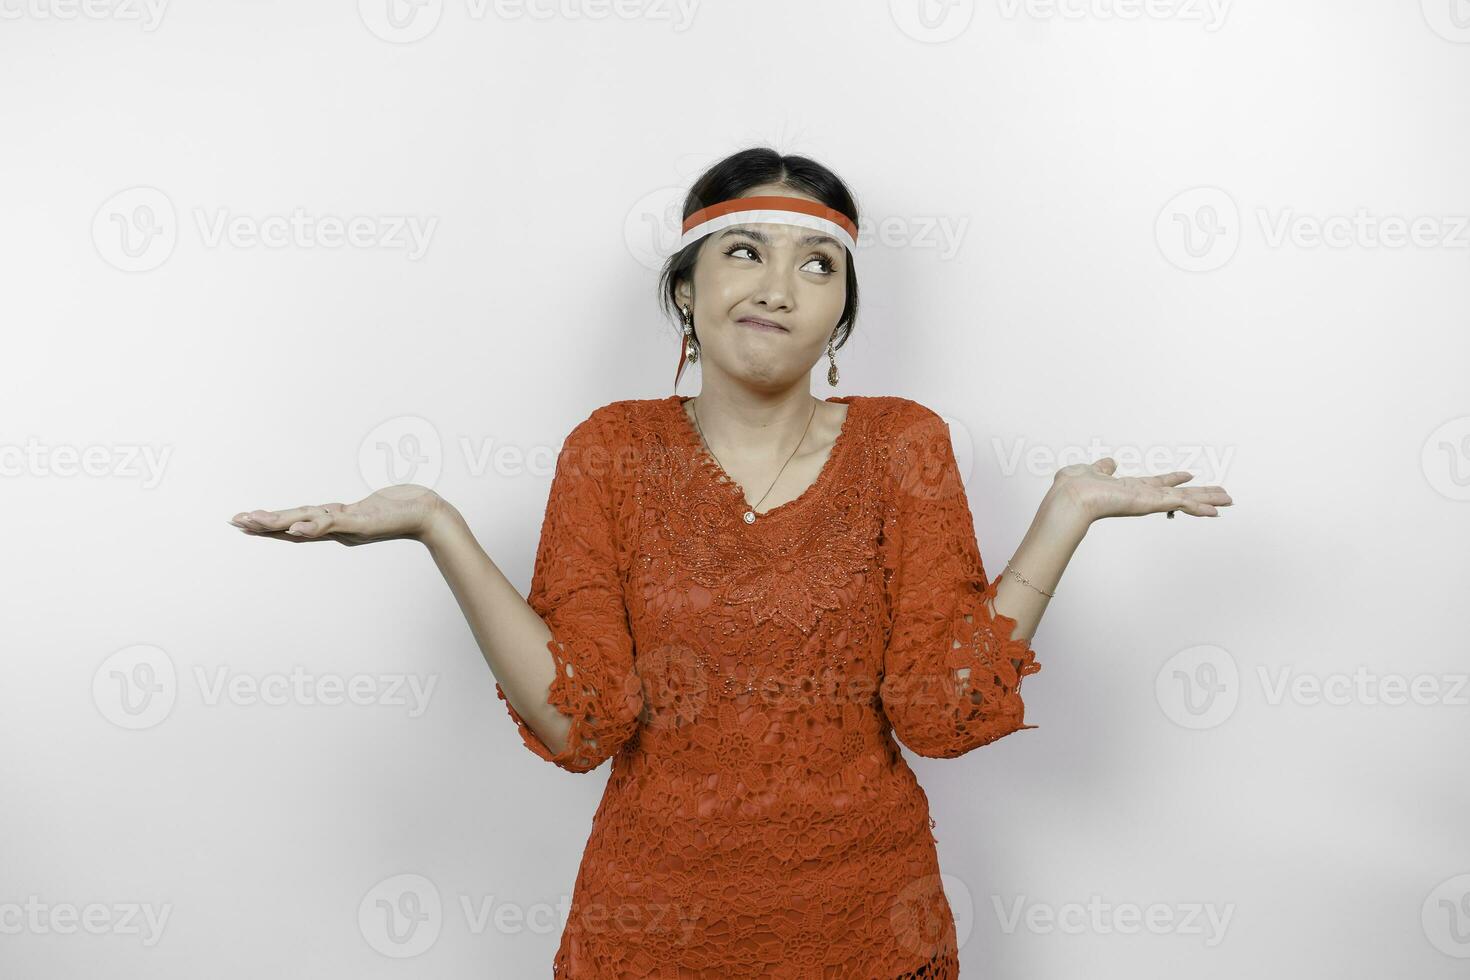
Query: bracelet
(1051,595)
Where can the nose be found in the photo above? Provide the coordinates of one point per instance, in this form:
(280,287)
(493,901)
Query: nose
(774,290)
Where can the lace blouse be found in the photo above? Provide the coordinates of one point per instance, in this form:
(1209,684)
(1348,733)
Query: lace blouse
(748,681)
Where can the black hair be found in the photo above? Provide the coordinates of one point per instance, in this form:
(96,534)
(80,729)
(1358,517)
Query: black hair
(731,178)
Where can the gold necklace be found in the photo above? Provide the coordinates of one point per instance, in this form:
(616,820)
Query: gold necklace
(750,511)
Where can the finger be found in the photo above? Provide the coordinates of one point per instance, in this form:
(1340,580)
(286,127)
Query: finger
(1191,503)
(317,521)
(278,535)
(1209,495)
(267,520)
(1106,465)
(1169,479)
(281,520)
(252,520)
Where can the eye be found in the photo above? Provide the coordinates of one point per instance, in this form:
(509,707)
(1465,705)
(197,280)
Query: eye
(828,266)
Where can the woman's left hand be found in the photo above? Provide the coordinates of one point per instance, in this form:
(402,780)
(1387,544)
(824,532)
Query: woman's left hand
(1094,492)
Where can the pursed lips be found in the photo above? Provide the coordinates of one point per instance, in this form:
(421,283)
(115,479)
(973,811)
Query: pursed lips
(759,324)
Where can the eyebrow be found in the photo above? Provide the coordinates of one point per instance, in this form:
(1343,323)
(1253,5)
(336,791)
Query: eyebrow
(761,237)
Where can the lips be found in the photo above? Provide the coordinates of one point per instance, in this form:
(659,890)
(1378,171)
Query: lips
(760,324)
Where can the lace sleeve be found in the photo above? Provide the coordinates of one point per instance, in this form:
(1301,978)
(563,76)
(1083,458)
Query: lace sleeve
(952,672)
(576,588)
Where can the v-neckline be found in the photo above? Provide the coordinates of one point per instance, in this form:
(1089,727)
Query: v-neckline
(705,458)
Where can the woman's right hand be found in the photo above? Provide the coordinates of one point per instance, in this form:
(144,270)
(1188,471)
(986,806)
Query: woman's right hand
(400,511)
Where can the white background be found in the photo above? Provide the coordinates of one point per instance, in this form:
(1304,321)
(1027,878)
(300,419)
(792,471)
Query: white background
(1037,170)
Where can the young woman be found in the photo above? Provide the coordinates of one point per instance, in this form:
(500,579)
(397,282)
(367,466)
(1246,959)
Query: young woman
(743,598)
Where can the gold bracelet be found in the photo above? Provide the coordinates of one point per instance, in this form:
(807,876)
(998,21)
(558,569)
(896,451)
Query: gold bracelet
(1050,595)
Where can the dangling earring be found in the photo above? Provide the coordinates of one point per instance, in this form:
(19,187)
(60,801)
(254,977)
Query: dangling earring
(688,346)
(832,368)
(689,336)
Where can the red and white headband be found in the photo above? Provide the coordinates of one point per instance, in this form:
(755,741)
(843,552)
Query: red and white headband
(769,210)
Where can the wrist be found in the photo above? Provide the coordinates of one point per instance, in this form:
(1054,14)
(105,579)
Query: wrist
(440,524)
(1061,510)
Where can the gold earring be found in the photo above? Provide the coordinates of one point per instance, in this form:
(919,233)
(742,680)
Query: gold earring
(832,367)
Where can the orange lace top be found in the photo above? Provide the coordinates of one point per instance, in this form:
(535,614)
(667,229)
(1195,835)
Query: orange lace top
(748,681)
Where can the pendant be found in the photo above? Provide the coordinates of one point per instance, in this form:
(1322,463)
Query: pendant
(750,517)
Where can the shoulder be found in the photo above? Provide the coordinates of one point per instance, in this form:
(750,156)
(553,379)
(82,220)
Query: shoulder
(900,419)
(599,448)
(609,425)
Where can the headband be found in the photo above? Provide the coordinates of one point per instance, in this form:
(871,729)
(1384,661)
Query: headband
(769,210)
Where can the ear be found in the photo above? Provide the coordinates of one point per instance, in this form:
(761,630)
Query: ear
(683,293)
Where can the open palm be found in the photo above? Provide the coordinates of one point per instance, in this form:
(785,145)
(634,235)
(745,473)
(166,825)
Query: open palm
(1097,493)
(396,512)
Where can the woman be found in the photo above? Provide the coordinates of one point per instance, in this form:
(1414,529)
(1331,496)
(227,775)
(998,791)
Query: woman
(743,598)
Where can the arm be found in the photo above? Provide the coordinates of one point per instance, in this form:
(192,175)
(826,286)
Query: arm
(562,657)
(959,642)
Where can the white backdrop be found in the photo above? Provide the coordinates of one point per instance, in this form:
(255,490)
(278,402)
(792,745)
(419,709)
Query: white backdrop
(265,254)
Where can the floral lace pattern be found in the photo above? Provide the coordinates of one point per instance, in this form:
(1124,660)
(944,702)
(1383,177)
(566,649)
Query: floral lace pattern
(752,683)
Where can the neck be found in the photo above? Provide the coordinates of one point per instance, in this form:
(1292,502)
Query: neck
(747,423)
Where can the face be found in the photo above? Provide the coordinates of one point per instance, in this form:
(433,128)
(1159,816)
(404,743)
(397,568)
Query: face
(793,277)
